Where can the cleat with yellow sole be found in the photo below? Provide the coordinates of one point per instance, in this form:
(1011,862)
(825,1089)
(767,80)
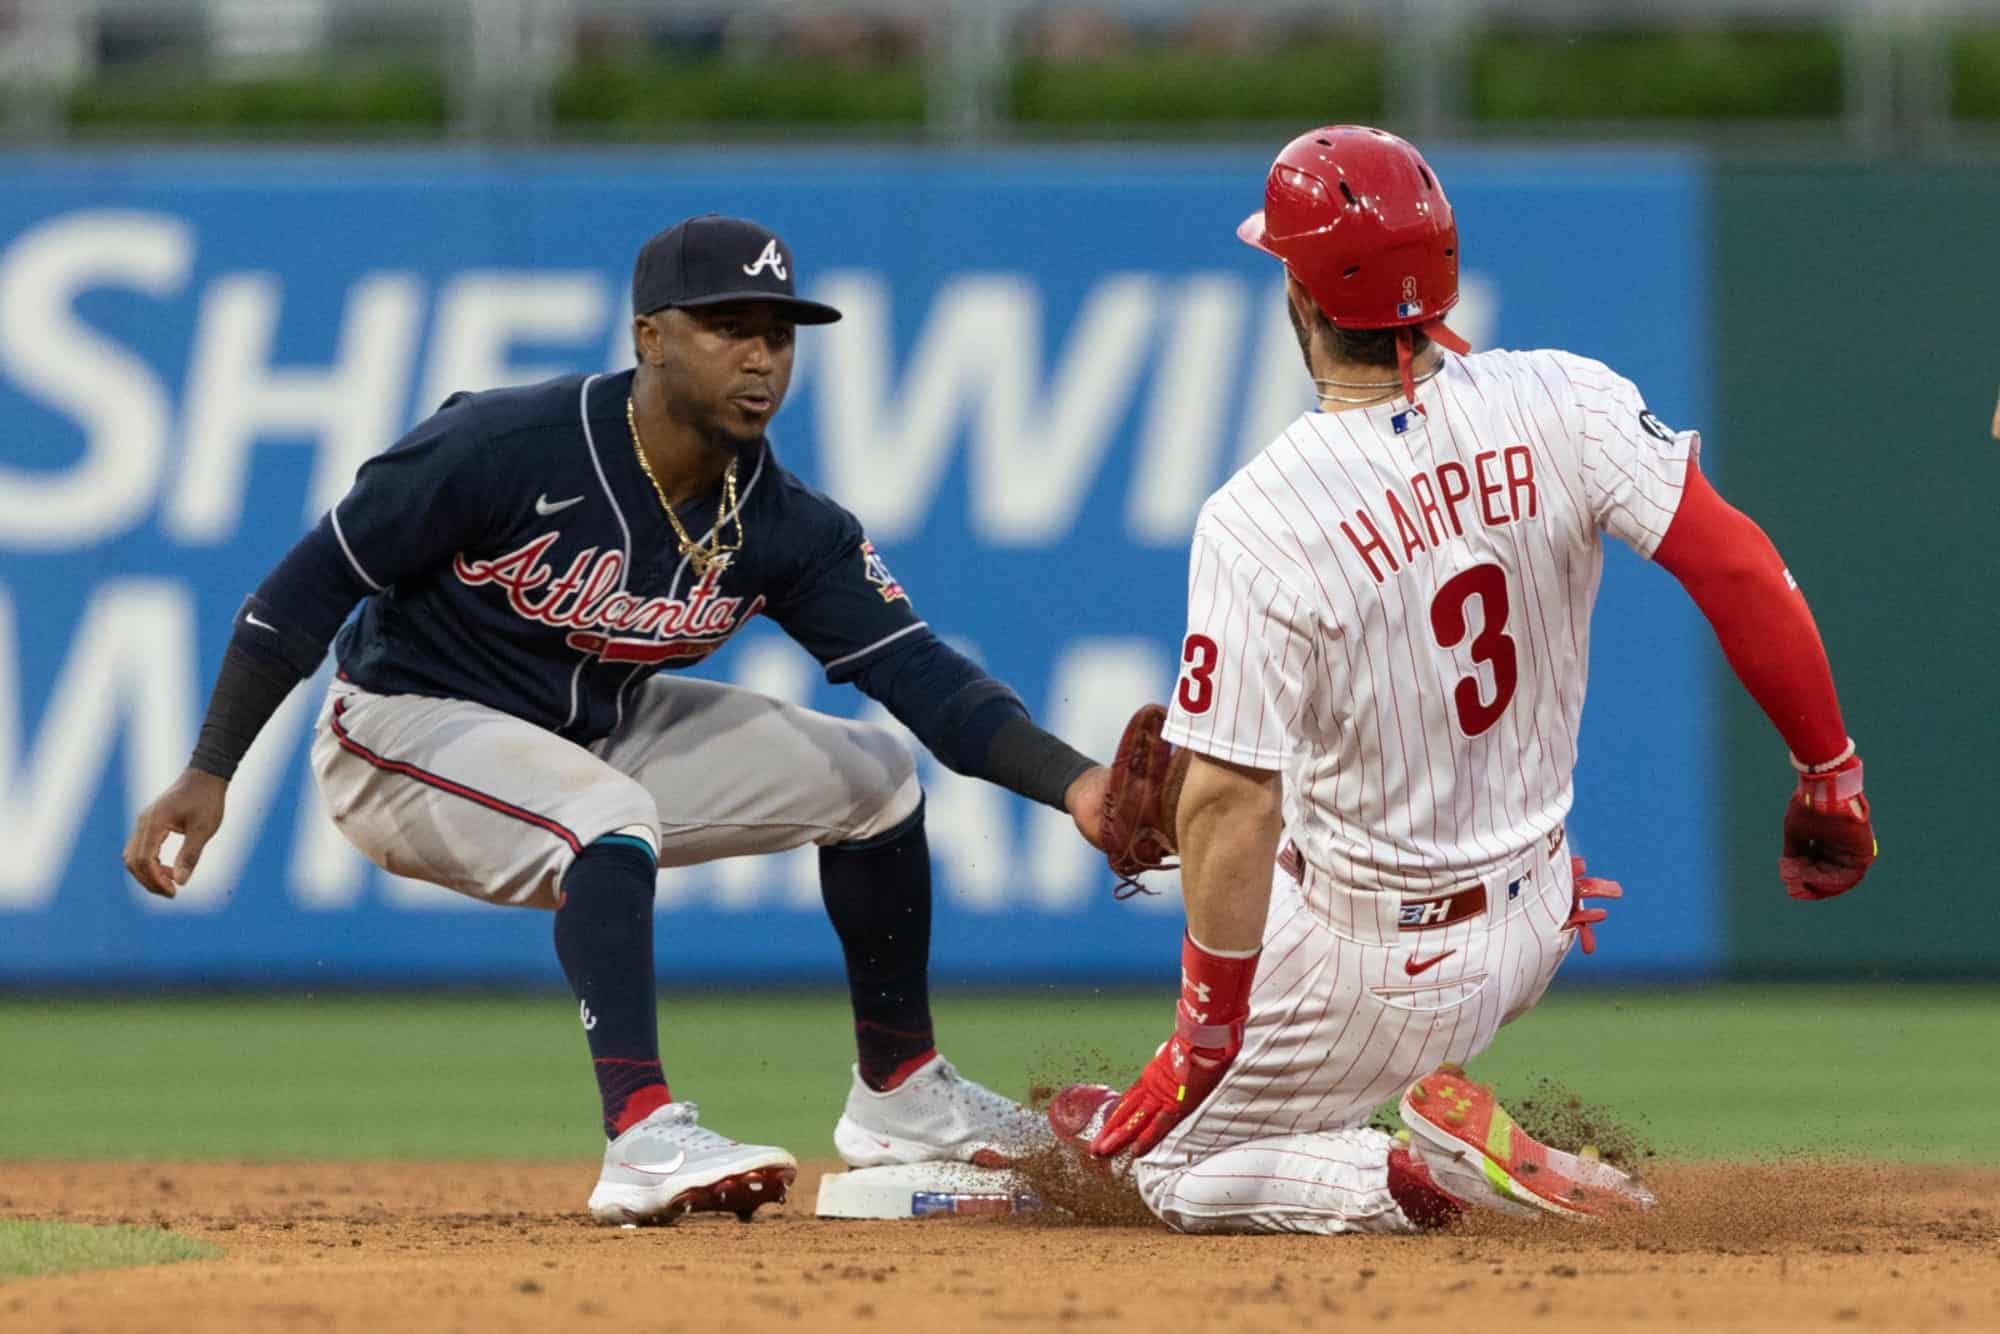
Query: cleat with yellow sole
(1480,1156)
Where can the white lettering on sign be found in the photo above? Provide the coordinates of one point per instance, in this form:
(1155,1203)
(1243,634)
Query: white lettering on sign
(1181,432)
(84,373)
(351,409)
(484,313)
(128,672)
(976,367)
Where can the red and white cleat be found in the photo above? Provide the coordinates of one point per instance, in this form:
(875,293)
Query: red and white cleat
(1077,1113)
(1478,1154)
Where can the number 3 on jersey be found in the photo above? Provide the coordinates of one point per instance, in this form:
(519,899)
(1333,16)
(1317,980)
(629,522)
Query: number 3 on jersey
(1198,658)
(1490,643)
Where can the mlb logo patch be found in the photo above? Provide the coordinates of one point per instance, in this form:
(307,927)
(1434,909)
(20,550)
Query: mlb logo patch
(1409,309)
(1408,419)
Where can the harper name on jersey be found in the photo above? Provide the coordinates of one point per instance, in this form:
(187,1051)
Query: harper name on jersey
(1393,609)
(1506,487)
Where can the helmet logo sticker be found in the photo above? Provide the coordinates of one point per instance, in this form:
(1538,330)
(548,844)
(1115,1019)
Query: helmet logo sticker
(1409,306)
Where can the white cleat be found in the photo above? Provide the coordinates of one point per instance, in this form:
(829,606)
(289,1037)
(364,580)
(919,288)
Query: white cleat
(935,1116)
(669,1165)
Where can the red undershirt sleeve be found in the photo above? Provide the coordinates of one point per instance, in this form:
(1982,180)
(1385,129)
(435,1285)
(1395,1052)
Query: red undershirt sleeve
(1734,574)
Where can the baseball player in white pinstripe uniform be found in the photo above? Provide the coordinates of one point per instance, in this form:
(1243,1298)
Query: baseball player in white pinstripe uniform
(1381,687)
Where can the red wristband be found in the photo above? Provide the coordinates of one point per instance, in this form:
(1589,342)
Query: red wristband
(1215,996)
(1830,789)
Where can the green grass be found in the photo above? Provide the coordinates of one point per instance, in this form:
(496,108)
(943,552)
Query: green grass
(1694,74)
(1975,73)
(314,104)
(1517,79)
(1725,1072)
(1313,82)
(54,1248)
(641,99)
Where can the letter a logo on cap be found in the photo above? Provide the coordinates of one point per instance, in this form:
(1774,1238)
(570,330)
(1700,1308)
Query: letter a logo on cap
(769,259)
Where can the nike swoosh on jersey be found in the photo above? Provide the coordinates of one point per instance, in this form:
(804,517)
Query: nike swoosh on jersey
(665,1169)
(1414,965)
(251,617)
(545,507)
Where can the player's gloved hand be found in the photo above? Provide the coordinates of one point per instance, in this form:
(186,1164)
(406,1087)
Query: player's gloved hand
(1208,1032)
(1829,841)
(1136,825)
(1582,918)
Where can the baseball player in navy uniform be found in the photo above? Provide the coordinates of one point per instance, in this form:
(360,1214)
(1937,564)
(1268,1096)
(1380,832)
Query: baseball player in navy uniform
(526,562)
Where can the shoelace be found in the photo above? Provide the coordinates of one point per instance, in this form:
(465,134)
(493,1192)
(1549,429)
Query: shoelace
(690,1133)
(977,1096)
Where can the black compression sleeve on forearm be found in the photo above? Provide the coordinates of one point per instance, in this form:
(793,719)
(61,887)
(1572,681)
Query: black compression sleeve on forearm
(1039,765)
(282,631)
(969,720)
(248,690)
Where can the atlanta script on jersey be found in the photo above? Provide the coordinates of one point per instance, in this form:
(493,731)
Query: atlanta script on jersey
(519,559)
(1394,609)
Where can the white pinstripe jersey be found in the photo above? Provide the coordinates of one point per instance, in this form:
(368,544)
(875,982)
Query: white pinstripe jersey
(1392,606)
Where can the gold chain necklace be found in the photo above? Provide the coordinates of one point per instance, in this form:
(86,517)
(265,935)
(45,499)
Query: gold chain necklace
(702,556)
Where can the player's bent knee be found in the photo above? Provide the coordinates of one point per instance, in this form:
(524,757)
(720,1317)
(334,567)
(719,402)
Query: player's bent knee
(622,812)
(893,794)
(629,812)
(898,809)
(1158,1191)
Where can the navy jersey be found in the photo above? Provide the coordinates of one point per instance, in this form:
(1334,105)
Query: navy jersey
(517,557)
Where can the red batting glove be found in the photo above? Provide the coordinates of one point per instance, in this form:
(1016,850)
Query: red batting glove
(1582,918)
(1829,842)
(1208,1032)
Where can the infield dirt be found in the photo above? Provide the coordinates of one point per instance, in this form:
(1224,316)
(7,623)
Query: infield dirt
(503,1247)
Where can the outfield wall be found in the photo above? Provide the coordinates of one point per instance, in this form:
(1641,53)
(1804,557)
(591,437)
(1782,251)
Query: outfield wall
(1048,361)
(1856,364)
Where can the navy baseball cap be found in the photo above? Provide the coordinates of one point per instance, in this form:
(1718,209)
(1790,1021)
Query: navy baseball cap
(711,259)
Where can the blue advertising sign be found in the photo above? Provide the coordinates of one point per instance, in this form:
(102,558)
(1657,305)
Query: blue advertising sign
(1048,361)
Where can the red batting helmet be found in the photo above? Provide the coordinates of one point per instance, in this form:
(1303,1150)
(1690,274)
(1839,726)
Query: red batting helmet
(1359,218)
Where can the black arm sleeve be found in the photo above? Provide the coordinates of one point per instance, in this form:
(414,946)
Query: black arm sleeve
(973,723)
(1038,765)
(248,690)
(281,633)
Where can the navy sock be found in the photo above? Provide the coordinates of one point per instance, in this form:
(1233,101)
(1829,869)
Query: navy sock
(878,894)
(604,939)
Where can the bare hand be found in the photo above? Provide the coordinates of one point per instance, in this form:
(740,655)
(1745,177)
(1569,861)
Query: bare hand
(192,808)
(1085,801)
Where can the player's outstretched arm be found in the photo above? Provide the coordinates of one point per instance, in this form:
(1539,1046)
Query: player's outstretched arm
(1229,820)
(280,635)
(1734,574)
(411,508)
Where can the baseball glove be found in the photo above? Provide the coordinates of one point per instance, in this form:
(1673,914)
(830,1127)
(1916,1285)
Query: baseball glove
(1136,827)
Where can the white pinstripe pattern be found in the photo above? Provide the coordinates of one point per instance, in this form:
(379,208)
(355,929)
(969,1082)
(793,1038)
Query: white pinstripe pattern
(1330,670)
